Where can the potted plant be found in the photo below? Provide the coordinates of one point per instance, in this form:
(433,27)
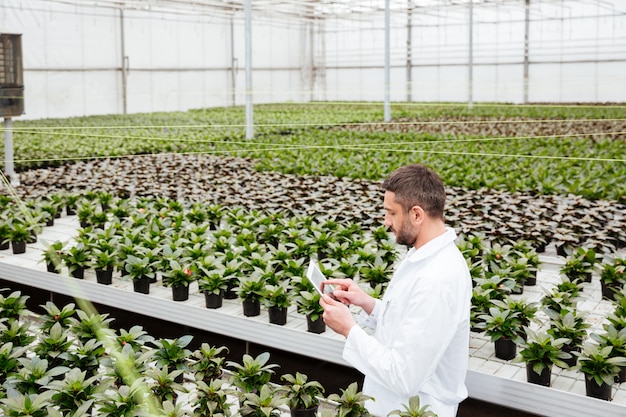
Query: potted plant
(213,284)
(32,405)
(413,409)
(163,383)
(251,292)
(277,299)
(612,278)
(211,398)
(616,339)
(308,303)
(33,375)
(19,235)
(104,262)
(75,389)
(579,265)
(51,255)
(262,403)
(173,354)
(571,325)
(351,402)
(76,258)
(178,277)
(302,394)
(252,373)
(140,269)
(540,351)
(208,362)
(504,327)
(600,368)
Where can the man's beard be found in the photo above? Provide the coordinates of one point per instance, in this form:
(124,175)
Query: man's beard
(406,235)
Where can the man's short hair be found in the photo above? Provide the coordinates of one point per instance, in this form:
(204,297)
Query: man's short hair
(417,185)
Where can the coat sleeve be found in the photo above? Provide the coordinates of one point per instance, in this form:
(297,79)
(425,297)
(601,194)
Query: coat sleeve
(420,332)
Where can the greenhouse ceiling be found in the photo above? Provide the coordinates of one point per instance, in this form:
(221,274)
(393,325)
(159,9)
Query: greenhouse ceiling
(323,9)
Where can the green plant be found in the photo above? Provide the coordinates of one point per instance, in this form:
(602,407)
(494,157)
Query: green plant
(177,275)
(123,402)
(162,383)
(55,315)
(308,303)
(13,306)
(262,403)
(32,375)
(277,295)
(173,353)
(252,287)
(75,389)
(301,393)
(19,231)
(501,323)
(208,361)
(76,257)
(10,358)
(140,266)
(51,255)
(598,363)
(31,405)
(541,350)
(252,373)
(212,399)
(351,402)
(16,332)
(579,265)
(413,409)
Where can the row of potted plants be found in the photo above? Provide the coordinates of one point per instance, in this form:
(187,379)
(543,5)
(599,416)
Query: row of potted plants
(72,363)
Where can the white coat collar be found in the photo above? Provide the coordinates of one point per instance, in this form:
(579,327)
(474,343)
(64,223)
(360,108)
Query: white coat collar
(431,247)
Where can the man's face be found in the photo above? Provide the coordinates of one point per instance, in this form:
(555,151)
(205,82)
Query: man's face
(399,221)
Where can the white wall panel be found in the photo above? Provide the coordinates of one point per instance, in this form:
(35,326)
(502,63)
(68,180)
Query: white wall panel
(73,56)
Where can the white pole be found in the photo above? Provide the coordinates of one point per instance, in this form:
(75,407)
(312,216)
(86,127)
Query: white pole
(470,81)
(249,115)
(9,167)
(526,49)
(387,59)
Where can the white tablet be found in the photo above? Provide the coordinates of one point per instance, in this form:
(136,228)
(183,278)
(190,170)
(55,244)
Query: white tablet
(315,275)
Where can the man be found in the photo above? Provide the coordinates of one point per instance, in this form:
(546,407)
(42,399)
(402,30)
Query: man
(421,337)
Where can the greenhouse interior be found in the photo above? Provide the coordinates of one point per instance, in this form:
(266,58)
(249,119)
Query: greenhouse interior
(172,169)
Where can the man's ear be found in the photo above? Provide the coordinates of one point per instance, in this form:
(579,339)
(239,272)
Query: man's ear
(417,214)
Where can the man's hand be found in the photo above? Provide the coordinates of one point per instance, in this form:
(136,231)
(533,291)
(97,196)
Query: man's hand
(348,292)
(336,315)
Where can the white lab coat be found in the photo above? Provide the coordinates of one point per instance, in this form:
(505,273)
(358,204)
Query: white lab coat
(421,339)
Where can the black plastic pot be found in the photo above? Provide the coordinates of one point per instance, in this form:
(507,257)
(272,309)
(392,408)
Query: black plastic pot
(212,300)
(142,285)
(5,245)
(18,247)
(318,326)
(51,267)
(180,292)
(506,348)
(277,315)
(540,379)
(594,390)
(251,308)
(309,412)
(78,272)
(608,291)
(105,276)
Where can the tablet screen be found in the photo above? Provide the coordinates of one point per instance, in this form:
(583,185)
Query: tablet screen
(315,275)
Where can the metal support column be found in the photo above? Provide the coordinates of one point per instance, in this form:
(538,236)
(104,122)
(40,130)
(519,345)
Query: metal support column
(9,167)
(249,110)
(526,49)
(409,51)
(124,64)
(470,66)
(387,63)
